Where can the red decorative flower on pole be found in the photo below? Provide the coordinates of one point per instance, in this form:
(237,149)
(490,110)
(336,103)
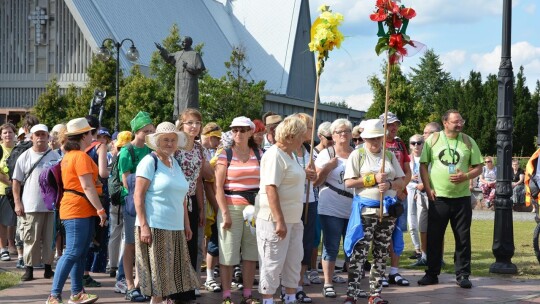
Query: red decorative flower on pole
(392,20)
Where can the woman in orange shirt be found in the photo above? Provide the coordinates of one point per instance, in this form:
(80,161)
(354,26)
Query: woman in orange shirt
(79,208)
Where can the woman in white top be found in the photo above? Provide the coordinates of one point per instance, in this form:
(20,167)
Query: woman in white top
(488,180)
(417,202)
(334,199)
(279,211)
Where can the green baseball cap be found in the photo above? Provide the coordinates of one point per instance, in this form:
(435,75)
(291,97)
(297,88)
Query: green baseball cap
(141,120)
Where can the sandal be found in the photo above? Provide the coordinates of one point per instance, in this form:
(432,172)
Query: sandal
(338,279)
(302,297)
(313,277)
(135,295)
(376,300)
(212,285)
(328,291)
(384,281)
(398,280)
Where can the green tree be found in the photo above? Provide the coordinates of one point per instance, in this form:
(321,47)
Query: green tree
(339,104)
(535,100)
(140,93)
(232,95)
(525,118)
(101,76)
(402,101)
(52,105)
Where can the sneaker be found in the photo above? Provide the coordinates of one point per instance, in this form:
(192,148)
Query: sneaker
(384,281)
(428,280)
(337,279)
(54,300)
(120,286)
(83,298)
(463,282)
(88,281)
(237,274)
(237,285)
(415,256)
(20,263)
(4,256)
(48,272)
(420,263)
(212,286)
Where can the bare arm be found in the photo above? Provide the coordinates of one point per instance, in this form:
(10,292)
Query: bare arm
(19,207)
(4,178)
(211,195)
(102,161)
(322,173)
(221,172)
(124,178)
(424,174)
(141,186)
(200,200)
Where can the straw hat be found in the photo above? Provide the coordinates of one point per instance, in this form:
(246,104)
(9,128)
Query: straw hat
(78,126)
(166,128)
(373,128)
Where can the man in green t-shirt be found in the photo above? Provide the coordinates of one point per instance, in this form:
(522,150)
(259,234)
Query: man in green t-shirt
(454,158)
(141,126)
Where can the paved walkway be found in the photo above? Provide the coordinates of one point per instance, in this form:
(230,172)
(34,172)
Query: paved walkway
(498,289)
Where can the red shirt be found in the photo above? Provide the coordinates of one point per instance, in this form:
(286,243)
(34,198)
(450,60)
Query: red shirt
(397,146)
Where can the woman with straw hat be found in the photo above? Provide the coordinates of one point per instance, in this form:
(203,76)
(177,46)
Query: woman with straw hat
(162,223)
(367,222)
(79,208)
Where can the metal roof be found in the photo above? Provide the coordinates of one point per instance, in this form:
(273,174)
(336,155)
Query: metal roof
(266,30)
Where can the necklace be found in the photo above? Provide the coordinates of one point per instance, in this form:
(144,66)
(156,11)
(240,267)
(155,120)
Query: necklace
(303,152)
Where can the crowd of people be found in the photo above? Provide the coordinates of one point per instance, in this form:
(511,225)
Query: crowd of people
(254,198)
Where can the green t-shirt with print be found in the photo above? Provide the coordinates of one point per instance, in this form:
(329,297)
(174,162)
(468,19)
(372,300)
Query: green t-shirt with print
(447,151)
(3,166)
(125,163)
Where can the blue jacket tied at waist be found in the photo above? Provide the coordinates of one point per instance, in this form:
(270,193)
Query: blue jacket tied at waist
(355,231)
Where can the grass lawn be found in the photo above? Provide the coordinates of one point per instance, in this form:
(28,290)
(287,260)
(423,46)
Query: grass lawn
(482,255)
(8,279)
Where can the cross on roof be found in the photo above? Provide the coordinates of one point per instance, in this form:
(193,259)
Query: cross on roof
(39,17)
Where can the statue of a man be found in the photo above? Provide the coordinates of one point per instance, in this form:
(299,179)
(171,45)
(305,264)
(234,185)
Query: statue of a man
(189,66)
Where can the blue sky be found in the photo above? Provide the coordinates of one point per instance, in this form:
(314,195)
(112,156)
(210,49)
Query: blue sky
(466,34)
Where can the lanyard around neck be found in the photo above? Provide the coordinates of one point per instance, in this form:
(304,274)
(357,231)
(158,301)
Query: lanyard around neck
(452,152)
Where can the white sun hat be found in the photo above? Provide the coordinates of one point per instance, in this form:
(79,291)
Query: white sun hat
(373,128)
(166,128)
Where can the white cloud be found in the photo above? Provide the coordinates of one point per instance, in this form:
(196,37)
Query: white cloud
(359,102)
(530,9)
(523,54)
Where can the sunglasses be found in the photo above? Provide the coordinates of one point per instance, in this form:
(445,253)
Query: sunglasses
(239,130)
(416,143)
(358,139)
(487,161)
(328,137)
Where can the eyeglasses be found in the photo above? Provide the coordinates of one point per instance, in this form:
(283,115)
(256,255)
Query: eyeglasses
(192,123)
(357,139)
(342,132)
(458,122)
(239,130)
(416,143)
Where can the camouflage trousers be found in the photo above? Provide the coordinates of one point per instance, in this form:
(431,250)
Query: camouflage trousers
(380,232)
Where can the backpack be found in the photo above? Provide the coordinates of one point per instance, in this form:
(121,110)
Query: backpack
(130,200)
(229,153)
(114,182)
(11,161)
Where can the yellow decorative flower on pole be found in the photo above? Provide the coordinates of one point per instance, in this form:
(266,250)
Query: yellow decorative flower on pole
(325,36)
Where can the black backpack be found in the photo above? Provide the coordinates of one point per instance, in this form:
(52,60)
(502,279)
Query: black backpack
(115,180)
(11,161)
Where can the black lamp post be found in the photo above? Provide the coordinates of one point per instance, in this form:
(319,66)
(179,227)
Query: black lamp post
(104,54)
(503,233)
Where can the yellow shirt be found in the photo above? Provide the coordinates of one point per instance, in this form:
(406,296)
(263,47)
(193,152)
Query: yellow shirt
(3,166)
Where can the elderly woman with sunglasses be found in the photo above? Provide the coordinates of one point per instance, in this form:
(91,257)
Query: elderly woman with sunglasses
(365,175)
(237,184)
(334,199)
(279,225)
(162,224)
(325,137)
(417,203)
(488,180)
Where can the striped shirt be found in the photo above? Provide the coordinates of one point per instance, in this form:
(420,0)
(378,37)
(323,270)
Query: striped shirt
(240,176)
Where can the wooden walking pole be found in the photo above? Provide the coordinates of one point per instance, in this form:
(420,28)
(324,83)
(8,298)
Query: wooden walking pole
(310,163)
(386,102)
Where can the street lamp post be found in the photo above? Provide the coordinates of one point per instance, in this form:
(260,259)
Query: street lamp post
(104,54)
(503,233)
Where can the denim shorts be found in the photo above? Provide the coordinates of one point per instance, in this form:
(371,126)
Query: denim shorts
(334,229)
(129,228)
(213,247)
